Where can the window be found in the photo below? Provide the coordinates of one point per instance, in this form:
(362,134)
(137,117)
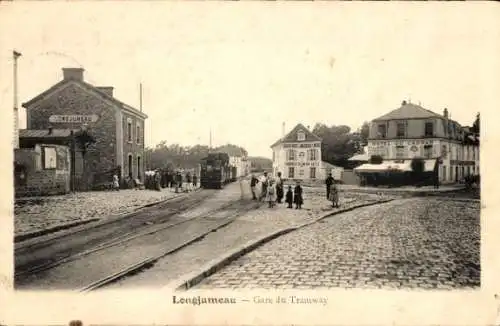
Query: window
(401,129)
(291,172)
(382,131)
(473,153)
(312,155)
(301,154)
(274,156)
(129,130)
(301,172)
(444,173)
(428,151)
(49,158)
(130,165)
(301,136)
(429,129)
(444,151)
(291,155)
(138,134)
(400,151)
(312,173)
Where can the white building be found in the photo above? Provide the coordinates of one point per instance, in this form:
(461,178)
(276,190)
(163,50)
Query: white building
(412,131)
(298,156)
(241,163)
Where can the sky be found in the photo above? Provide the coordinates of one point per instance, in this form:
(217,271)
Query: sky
(242,69)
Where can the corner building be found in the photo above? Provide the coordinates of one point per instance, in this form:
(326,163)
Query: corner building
(71,103)
(413,131)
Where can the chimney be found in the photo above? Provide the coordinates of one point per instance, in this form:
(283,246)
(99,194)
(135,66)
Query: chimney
(73,73)
(283,130)
(445,113)
(403,103)
(108,90)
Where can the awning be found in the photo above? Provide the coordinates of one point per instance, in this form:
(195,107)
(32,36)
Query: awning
(397,166)
(384,167)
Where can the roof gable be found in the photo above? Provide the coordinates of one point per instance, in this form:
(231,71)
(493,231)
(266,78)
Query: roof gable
(87,87)
(291,137)
(408,111)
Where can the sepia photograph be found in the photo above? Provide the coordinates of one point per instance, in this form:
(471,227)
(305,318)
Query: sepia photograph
(203,147)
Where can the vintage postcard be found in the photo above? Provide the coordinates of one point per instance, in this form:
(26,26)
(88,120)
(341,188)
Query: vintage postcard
(175,162)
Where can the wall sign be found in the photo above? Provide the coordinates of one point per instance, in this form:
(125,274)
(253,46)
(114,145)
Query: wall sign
(414,148)
(73,118)
(292,163)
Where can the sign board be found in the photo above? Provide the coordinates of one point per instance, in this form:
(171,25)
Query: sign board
(292,163)
(302,145)
(73,118)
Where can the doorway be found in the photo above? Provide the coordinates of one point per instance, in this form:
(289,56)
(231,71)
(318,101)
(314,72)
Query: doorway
(139,167)
(130,165)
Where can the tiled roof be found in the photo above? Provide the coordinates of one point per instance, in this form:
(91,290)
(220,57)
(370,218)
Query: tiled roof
(89,87)
(44,133)
(291,137)
(409,111)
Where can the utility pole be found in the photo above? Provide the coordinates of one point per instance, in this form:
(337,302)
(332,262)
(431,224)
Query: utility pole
(16,55)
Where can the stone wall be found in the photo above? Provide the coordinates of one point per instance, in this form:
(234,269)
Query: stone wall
(31,178)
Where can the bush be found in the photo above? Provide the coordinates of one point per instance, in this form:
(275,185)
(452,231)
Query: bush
(376,159)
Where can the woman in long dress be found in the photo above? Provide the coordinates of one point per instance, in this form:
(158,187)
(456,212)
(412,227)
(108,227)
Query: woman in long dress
(271,194)
(279,188)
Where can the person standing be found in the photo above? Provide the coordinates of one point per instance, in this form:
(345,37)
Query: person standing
(329,181)
(157,180)
(265,182)
(271,194)
(253,184)
(289,197)
(178,181)
(188,182)
(279,188)
(297,196)
(195,181)
(116,183)
(334,195)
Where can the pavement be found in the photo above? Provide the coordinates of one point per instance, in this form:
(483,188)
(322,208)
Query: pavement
(40,213)
(247,229)
(415,243)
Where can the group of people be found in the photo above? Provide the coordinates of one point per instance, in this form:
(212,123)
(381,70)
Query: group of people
(272,191)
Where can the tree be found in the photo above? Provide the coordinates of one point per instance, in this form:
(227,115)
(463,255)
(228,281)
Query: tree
(376,159)
(365,132)
(338,144)
(475,126)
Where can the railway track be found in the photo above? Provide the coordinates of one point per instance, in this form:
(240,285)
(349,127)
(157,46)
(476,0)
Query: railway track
(35,256)
(121,256)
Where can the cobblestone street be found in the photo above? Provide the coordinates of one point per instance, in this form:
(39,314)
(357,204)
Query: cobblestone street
(46,212)
(409,243)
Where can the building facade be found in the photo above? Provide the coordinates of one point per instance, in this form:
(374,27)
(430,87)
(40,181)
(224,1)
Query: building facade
(298,156)
(412,131)
(117,127)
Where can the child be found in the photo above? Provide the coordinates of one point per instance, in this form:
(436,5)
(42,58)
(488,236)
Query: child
(289,197)
(270,195)
(116,184)
(298,200)
(334,195)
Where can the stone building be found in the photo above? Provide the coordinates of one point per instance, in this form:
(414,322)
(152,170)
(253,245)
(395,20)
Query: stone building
(412,131)
(297,156)
(72,103)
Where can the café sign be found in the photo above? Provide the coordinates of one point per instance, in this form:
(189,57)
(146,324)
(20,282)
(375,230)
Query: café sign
(73,118)
(291,163)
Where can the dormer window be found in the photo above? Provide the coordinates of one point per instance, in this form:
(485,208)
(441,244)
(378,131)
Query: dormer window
(301,136)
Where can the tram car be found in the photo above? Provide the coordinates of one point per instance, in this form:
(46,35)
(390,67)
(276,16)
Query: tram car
(215,171)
